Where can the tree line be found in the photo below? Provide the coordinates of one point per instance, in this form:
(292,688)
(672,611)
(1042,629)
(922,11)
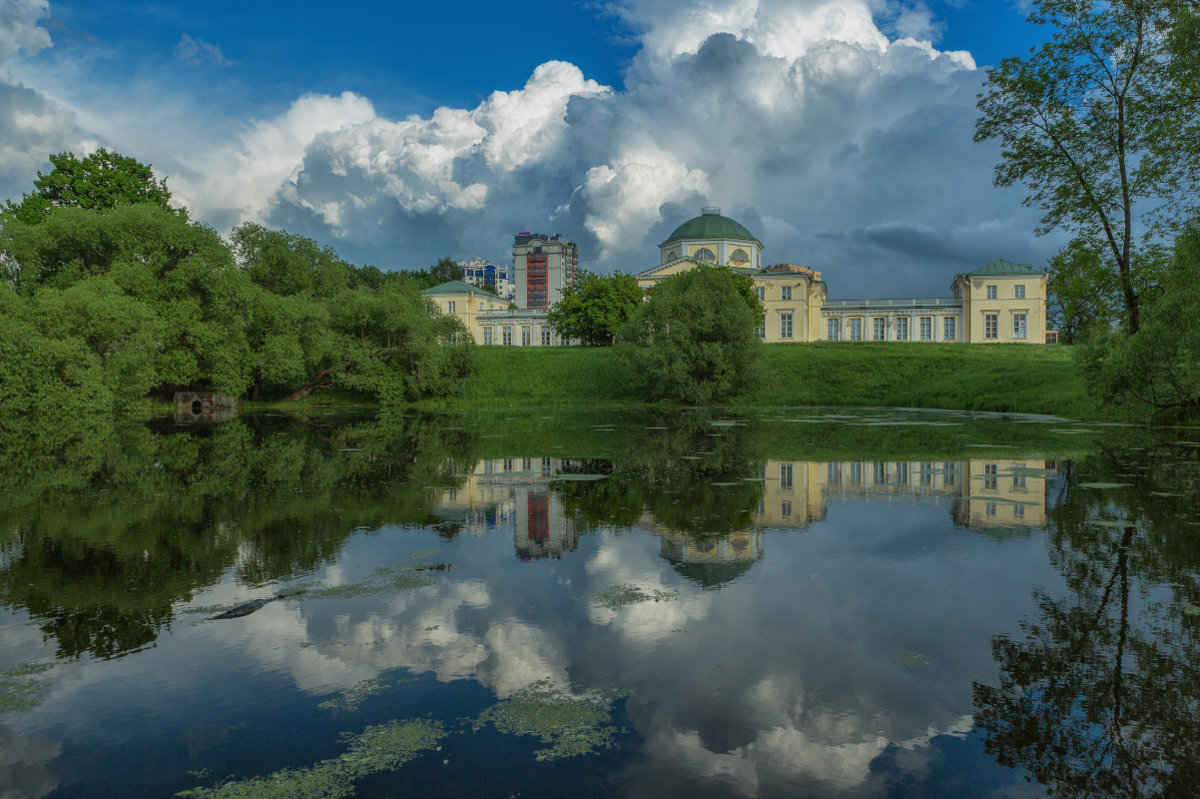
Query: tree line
(109,294)
(1101,125)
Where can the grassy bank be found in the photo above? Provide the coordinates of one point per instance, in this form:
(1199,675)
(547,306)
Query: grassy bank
(1012,378)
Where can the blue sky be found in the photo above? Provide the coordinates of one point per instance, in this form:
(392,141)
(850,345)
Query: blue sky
(837,130)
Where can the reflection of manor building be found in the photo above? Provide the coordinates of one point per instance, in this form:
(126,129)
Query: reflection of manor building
(999,302)
(711,560)
(983,493)
(516,492)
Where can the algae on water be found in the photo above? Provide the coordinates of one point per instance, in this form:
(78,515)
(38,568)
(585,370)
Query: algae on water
(20,690)
(567,724)
(351,698)
(903,657)
(618,596)
(382,747)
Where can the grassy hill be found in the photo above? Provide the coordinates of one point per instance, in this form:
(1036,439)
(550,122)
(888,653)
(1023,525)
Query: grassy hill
(998,377)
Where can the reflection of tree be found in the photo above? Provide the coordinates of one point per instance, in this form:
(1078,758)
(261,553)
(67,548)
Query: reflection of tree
(102,540)
(692,476)
(1102,697)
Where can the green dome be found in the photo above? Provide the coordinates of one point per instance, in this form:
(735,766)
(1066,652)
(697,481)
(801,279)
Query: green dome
(711,225)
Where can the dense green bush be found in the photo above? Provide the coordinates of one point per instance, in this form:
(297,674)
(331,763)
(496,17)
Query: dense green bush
(695,340)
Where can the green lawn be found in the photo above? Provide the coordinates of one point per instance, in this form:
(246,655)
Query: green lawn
(998,377)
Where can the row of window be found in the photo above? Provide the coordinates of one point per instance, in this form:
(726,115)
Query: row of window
(854,329)
(761,293)
(949,471)
(738,256)
(1018,292)
(546,334)
(991,326)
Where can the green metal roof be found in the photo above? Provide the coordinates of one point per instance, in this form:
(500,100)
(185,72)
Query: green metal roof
(711,225)
(1003,267)
(459,287)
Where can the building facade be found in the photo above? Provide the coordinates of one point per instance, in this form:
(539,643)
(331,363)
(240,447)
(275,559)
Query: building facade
(542,267)
(482,272)
(1001,302)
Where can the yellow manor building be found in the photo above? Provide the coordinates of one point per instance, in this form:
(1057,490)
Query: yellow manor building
(999,302)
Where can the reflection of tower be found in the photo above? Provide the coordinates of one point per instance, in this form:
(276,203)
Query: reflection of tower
(537,515)
(542,529)
(711,560)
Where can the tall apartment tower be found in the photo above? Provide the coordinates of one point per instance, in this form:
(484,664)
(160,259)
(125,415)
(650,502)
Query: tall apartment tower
(542,267)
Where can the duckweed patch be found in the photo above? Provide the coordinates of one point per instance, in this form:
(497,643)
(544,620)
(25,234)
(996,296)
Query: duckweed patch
(382,747)
(20,690)
(904,657)
(351,698)
(386,580)
(619,596)
(568,725)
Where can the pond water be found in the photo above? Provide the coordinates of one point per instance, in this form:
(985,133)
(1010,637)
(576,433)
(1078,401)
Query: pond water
(789,602)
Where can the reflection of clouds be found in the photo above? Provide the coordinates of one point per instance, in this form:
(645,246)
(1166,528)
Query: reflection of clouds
(793,753)
(23,766)
(271,637)
(624,561)
(686,753)
(521,654)
(784,678)
(784,755)
(419,631)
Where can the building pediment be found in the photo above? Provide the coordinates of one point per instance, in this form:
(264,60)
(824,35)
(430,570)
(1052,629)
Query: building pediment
(669,268)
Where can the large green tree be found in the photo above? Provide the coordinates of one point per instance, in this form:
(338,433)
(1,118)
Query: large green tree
(695,339)
(595,307)
(1156,372)
(177,279)
(1100,124)
(97,182)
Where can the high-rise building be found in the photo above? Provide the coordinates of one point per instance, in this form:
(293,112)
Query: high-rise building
(542,267)
(481,272)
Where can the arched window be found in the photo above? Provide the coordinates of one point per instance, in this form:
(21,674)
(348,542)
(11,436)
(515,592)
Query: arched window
(705,254)
(739,256)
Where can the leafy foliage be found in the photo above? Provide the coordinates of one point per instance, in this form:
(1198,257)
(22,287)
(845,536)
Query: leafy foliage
(1083,300)
(595,307)
(695,339)
(1157,370)
(1100,124)
(98,182)
(1098,697)
(110,295)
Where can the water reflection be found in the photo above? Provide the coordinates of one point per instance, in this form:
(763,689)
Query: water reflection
(788,615)
(1100,695)
(545,499)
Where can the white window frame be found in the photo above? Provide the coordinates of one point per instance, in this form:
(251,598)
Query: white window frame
(449,306)
(786,326)
(1020,325)
(761,293)
(546,335)
(991,326)
(762,328)
(902,328)
(990,292)
(879,329)
(487,336)
(506,335)
(526,335)
(833,329)
(1019,292)
(949,328)
(925,325)
(786,292)
(785,475)
(854,329)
